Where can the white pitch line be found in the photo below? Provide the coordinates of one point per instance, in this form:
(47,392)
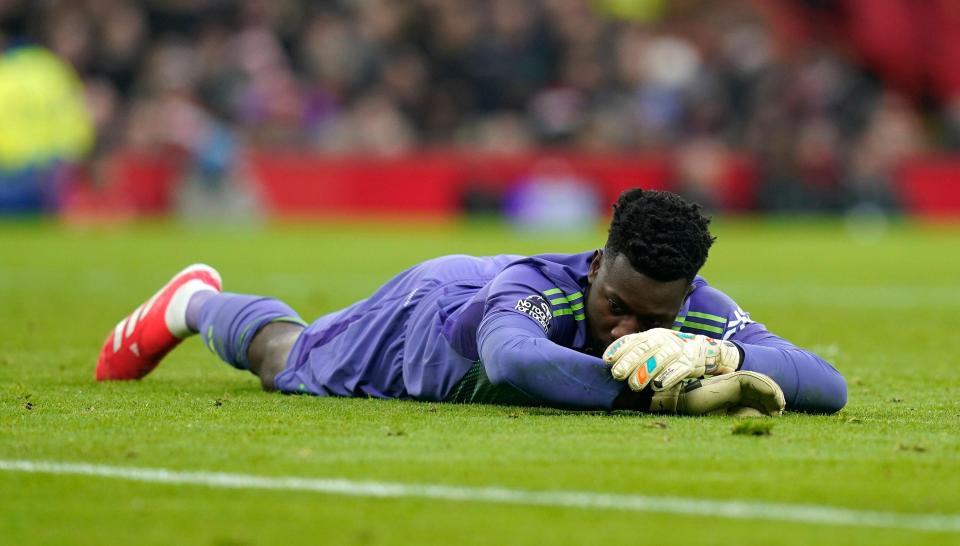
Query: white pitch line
(734,509)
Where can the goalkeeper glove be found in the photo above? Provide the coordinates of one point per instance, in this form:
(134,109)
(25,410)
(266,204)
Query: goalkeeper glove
(666,357)
(744,394)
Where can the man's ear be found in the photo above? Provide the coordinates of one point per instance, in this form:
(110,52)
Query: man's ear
(595,266)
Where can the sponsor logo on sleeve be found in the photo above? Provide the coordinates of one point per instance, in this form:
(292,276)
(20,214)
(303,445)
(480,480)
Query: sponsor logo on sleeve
(537,308)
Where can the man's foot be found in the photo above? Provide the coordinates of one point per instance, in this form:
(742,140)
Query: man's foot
(138,343)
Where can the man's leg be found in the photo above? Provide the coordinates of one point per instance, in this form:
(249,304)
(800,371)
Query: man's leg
(269,350)
(248,332)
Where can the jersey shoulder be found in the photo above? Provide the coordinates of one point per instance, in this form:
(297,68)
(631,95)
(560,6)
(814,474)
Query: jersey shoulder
(545,291)
(711,312)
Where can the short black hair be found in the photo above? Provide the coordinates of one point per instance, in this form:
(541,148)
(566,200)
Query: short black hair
(662,235)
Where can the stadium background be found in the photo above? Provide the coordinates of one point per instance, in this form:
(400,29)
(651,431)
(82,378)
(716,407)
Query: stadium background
(539,109)
(138,137)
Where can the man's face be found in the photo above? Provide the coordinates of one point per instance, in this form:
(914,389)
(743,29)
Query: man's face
(622,301)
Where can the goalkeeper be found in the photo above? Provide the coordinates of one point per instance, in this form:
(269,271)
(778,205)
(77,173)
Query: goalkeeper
(628,326)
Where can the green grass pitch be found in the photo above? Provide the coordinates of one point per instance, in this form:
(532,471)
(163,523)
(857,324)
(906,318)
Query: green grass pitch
(884,308)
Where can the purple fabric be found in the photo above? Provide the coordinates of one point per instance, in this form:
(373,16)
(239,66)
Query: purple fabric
(194,306)
(228,322)
(420,333)
(391,344)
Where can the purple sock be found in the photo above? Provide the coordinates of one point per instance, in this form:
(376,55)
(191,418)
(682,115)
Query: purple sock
(228,322)
(194,306)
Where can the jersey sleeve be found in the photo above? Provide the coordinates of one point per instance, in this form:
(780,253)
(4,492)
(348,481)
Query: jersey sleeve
(522,337)
(809,383)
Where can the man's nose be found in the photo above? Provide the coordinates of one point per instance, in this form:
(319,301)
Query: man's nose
(627,325)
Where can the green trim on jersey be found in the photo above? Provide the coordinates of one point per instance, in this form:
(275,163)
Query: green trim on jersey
(568,307)
(707,316)
(569,311)
(565,299)
(684,323)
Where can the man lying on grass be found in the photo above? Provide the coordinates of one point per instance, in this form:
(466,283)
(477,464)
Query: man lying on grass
(561,330)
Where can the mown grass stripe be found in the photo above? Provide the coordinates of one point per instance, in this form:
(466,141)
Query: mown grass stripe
(731,509)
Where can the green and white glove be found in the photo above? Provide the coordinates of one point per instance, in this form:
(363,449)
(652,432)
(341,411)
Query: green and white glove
(745,394)
(667,357)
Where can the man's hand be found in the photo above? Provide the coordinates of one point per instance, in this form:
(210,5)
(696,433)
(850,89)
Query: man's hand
(666,357)
(738,393)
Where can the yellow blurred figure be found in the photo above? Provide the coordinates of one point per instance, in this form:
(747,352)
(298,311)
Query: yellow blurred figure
(640,11)
(43,116)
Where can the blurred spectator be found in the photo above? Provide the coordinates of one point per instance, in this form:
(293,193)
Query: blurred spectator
(893,135)
(701,166)
(821,94)
(43,124)
(553,198)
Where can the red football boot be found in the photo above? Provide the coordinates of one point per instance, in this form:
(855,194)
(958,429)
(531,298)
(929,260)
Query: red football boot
(135,347)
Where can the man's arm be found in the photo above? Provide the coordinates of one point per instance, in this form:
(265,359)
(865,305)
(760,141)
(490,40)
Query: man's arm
(515,351)
(809,383)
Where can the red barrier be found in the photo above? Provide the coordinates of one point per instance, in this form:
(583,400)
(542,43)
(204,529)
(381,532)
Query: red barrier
(137,183)
(126,184)
(931,186)
(610,174)
(299,183)
(429,183)
(433,183)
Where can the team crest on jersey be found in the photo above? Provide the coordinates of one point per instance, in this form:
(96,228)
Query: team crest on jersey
(537,308)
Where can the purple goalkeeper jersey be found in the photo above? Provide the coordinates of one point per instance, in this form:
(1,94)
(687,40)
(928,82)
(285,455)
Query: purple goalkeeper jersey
(521,319)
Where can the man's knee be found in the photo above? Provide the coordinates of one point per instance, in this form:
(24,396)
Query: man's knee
(269,350)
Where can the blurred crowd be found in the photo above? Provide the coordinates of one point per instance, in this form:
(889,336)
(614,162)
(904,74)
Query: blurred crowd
(702,79)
